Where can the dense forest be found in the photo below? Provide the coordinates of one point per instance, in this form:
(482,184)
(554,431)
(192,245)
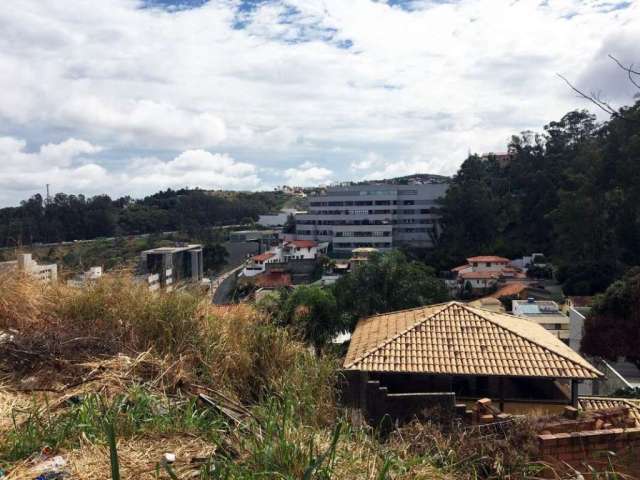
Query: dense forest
(75,217)
(571,192)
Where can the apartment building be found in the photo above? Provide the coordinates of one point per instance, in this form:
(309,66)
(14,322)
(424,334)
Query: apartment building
(379,216)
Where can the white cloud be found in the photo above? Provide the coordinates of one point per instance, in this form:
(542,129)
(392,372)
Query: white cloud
(68,167)
(419,86)
(308,174)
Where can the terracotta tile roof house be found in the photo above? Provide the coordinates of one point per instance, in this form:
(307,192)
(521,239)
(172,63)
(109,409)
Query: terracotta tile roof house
(470,351)
(454,338)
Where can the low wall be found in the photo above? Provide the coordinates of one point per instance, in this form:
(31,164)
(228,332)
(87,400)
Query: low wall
(577,447)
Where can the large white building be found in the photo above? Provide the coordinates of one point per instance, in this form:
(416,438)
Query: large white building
(25,263)
(382,216)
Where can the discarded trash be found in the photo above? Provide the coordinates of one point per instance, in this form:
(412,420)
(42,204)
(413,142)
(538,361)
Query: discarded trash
(51,476)
(169,457)
(1,473)
(51,469)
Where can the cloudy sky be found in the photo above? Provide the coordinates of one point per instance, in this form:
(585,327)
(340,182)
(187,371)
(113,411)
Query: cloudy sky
(131,96)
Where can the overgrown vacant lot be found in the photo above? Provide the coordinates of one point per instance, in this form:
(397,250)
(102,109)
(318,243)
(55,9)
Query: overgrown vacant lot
(115,374)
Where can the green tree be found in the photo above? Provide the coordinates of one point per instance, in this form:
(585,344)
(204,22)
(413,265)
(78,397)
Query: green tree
(387,282)
(312,311)
(612,329)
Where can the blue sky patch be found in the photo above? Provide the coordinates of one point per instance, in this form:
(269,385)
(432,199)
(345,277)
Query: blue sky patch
(173,5)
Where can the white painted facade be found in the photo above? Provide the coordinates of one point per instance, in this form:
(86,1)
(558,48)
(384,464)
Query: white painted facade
(25,263)
(85,278)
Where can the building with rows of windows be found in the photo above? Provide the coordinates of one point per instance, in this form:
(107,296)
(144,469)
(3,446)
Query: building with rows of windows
(381,216)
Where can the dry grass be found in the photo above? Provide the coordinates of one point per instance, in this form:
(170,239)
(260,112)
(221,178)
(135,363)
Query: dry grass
(233,349)
(71,352)
(139,459)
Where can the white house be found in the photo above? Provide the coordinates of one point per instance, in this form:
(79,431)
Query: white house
(257,264)
(483,272)
(302,250)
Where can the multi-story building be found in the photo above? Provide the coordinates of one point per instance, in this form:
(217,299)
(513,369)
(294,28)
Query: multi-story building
(25,263)
(381,216)
(165,266)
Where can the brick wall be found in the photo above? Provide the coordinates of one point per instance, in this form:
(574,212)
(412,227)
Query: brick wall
(582,446)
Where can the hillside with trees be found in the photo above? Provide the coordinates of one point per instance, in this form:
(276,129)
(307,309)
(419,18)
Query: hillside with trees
(76,217)
(571,192)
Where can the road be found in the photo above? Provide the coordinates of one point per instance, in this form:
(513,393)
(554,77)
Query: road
(217,283)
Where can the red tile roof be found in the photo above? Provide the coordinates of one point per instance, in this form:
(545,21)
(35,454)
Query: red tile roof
(509,289)
(488,258)
(303,243)
(263,257)
(457,339)
(461,267)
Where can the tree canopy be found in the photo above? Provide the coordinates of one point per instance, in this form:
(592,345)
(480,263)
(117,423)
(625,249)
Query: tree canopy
(571,192)
(387,282)
(76,217)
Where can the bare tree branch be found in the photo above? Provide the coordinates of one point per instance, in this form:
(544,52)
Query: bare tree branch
(592,98)
(597,100)
(630,71)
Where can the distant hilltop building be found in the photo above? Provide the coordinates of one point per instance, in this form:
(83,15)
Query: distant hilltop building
(26,264)
(376,215)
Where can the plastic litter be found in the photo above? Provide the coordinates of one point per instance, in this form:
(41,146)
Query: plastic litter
(51,469)
(169,457)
